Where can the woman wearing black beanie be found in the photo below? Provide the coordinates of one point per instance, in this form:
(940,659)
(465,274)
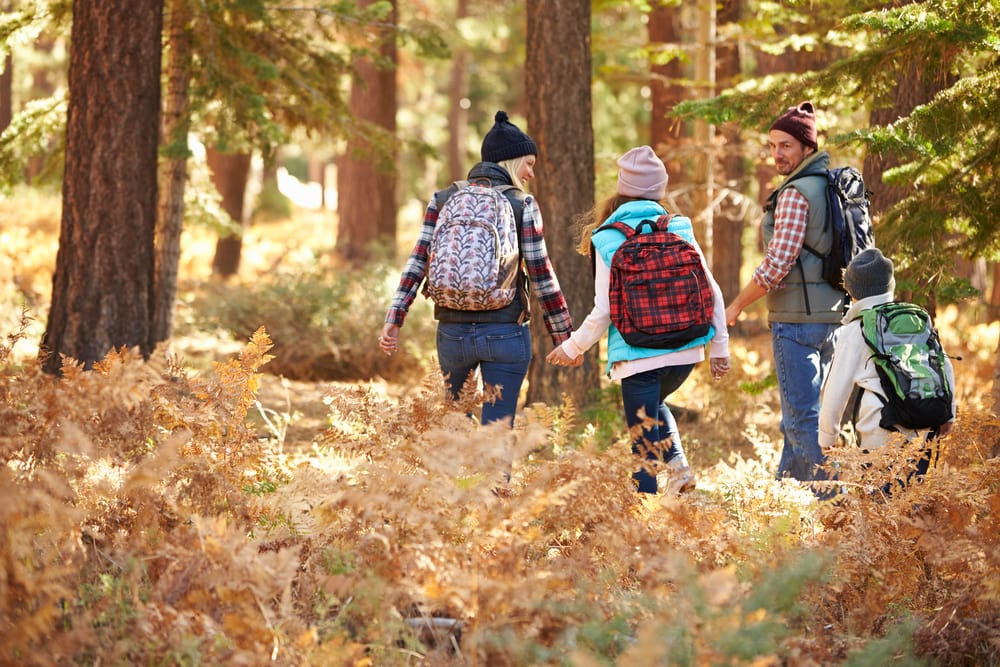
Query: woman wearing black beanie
(495,342)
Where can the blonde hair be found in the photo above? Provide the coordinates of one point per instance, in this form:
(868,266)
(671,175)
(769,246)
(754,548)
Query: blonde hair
(513,166)
(596,216)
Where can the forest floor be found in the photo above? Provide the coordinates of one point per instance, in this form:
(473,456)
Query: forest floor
(367,506)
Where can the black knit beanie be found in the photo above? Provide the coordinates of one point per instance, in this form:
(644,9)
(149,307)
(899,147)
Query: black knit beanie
(869,274)
(505,141)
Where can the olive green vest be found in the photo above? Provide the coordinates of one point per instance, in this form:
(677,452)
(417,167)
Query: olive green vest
(804,295)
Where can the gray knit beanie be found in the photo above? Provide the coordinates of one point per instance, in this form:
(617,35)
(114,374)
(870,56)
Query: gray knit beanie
(869,274)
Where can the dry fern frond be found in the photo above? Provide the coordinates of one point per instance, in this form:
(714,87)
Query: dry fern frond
(24,322)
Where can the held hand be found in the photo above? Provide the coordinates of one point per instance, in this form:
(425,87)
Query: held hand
(559,358)
(945,428)
(732,314)
(388,340)
(719,366)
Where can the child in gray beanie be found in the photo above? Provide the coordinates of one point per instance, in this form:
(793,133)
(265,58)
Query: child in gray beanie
(869,274)
(870,281)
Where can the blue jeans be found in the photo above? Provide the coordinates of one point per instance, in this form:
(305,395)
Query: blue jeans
(648,390)
(802,355)
(501,351)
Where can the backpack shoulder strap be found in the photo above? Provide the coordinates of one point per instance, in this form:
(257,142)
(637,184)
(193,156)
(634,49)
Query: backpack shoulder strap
(619,226)
(442,196)
(869,324)
(516,198)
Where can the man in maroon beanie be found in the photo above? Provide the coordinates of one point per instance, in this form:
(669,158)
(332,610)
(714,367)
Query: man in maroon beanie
(804,311)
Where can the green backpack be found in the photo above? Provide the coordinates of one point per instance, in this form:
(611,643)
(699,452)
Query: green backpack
(910,363)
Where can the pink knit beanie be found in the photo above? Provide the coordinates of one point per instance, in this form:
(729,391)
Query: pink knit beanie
(800,122)
(642,174)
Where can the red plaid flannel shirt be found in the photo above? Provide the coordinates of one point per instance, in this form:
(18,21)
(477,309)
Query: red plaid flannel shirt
(791,215)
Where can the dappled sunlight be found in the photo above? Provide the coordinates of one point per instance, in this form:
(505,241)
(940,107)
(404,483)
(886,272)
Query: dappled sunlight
(323,516)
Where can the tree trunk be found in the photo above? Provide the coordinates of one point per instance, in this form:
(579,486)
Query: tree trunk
(559,120)
(173,169)
(995,291)
(458,91)
(704,133)
(727,230)
(102,289)
(670,137)
(666,88)
(7,80)
(42,86)
(316,168)
(366,189)
(917,85)
(230,172)
(7,92)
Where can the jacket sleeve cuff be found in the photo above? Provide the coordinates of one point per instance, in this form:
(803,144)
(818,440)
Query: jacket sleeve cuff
(571,349)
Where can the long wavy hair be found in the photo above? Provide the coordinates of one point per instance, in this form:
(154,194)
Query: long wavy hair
(596,216)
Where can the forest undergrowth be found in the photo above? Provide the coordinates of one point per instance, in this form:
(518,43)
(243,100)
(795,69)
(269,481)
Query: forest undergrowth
(175,512)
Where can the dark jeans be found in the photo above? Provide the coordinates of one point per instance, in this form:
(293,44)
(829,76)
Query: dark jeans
(660,439)
(500,351)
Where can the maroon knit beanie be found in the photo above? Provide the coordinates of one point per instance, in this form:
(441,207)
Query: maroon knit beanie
(800,122)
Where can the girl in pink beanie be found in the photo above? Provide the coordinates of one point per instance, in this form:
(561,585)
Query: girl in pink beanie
(648,375)
(641,174)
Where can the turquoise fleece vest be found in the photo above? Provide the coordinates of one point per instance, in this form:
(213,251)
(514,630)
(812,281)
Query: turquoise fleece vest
(805,278)
(606,243)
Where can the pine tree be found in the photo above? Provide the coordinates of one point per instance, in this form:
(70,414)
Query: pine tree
(947,147)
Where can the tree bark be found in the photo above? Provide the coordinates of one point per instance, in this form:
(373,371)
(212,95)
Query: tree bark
(366,189)
(102,289)
(704,133)
(230,172)
(42,85)
(559,120)
(727,248)
(173,170)
(457,114)
(666,88)
(7,93)
(917,84)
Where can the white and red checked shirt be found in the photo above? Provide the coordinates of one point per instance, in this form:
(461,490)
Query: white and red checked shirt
(791,215)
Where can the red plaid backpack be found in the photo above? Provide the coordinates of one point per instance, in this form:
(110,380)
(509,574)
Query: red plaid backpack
(660,294)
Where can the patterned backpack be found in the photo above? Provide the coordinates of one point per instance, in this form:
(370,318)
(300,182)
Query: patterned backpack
(474,252)
(660,296)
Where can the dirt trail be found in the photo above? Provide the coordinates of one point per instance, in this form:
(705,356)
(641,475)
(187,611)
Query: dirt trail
(302,401)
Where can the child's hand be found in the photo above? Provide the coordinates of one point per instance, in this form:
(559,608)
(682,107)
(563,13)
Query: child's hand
(559,358)
(719,366)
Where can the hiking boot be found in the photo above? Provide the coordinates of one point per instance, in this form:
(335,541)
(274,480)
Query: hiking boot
(675,481)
